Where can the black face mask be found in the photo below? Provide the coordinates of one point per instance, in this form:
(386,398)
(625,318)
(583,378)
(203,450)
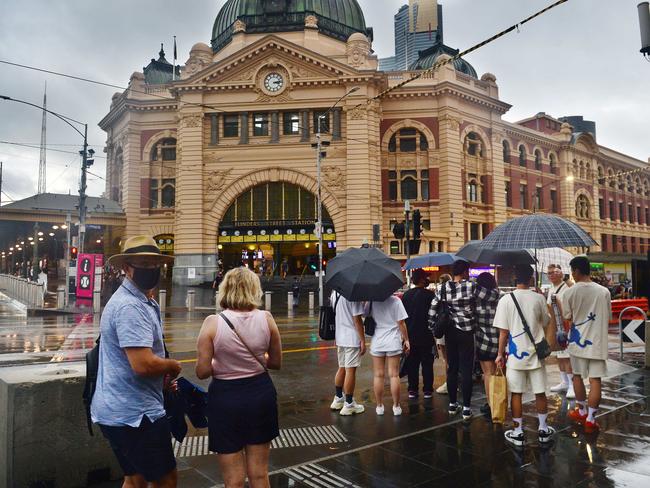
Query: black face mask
(146,278)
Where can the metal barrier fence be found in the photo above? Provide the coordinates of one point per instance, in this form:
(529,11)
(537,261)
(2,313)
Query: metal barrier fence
(30,293)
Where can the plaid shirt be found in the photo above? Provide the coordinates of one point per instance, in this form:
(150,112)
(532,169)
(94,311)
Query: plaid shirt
(487,336)
(461,298)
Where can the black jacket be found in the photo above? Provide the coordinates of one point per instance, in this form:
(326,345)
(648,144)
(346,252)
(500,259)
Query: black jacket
(417,302)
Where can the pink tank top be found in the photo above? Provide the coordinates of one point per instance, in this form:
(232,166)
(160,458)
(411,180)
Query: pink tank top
(231,360)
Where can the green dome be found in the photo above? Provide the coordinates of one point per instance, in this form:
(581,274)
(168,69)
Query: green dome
(336,18)
(428,58)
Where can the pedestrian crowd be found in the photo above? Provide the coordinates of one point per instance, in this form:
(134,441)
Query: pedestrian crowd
(465,322)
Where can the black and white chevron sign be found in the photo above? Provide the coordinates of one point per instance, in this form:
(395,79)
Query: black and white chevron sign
(633,331)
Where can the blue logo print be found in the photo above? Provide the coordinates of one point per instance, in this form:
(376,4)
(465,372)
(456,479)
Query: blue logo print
(513,349)
(575,336)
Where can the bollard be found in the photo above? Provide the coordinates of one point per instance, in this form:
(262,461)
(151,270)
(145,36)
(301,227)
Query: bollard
(267,301)
(312,300)
(162,301)
(190,301)
(97,301)
(60,297)
(217,305)
(290,301)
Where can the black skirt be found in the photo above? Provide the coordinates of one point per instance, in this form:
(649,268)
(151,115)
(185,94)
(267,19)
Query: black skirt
(241,412)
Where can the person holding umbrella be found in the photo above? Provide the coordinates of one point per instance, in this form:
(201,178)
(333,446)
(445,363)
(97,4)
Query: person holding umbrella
(388,342)
(416,302)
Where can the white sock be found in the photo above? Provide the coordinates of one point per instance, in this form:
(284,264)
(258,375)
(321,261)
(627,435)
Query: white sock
(570,379)
(542,421)
(565,378)
(592,414)
(518,425)
(582,407)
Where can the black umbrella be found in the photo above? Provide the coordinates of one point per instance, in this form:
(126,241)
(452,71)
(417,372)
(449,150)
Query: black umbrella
(365,274)
(473,252)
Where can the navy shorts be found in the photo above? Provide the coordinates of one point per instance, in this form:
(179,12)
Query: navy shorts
(241,413)
(145,450)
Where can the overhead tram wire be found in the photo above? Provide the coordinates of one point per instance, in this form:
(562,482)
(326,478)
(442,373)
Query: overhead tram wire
(456,57)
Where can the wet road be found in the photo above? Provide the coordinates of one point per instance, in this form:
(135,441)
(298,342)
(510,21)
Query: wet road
(424,447)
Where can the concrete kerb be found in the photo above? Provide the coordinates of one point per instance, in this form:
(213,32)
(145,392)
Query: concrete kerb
(43,436)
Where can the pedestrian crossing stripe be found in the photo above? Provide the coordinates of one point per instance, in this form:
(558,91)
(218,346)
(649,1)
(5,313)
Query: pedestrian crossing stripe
(318,477)
(194,446)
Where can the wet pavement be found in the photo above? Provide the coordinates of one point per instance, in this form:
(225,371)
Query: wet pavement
(424,447)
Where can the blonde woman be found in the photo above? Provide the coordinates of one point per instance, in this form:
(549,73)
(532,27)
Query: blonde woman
(237,348)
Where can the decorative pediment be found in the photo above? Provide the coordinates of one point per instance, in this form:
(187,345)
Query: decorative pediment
(243,68)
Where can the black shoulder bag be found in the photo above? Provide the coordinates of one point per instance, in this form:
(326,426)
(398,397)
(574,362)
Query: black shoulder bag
(327,321)
(369,323)
(92,367)
(542,348)
(444,322)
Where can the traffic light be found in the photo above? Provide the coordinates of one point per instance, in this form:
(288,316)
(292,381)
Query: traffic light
(313,263)
(417,224)
(399,230)
(73,252)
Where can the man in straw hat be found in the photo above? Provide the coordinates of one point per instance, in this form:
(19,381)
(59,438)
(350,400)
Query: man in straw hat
(128,400)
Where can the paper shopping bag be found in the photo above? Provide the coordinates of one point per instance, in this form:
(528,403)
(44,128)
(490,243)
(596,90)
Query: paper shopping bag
(498,399)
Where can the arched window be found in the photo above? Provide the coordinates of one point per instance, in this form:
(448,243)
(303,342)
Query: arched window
(582,170)
(408,140)
(164,150)
(601,175)
(621,183)
(553,163)
(118,168)
(538,160)
(473,191)
(611,181)
(474,146)
(646,190)
(168,193)
(629,185)
(583,207)
(409,185)
(588,171)
(637,186)
(506,152)
(522,156)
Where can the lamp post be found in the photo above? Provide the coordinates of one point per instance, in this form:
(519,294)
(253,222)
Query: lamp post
(319,223)
(86,162)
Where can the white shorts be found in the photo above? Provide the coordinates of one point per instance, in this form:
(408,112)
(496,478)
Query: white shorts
(518,379)
(564,354)
(385,354)
(589,368)
(349,357)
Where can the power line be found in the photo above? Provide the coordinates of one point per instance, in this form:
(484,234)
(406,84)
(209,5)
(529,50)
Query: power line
(48,149)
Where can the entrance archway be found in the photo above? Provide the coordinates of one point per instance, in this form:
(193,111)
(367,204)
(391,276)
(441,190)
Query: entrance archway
(271,228)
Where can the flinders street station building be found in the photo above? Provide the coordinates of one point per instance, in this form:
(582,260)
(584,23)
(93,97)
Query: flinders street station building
(215,158)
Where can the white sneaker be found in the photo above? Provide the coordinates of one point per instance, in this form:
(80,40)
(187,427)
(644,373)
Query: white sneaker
(546,436)
(338,403)
(352,409)
(559,387)
(514,438)
(442,389)
(379,409)
(570,394)
(397,410)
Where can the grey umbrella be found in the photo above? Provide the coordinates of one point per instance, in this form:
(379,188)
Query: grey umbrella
(537,231)
(365,274)
(473,252)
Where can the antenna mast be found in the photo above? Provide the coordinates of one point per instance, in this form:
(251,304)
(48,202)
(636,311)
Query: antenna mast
(42,186)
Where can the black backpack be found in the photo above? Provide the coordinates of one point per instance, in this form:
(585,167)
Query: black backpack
(92,366)
(444,322)
(327,321)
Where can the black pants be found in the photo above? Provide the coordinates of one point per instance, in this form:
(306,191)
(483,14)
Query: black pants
(460,357)
(421,355)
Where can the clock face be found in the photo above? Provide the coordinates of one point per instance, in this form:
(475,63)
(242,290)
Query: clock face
(273,82)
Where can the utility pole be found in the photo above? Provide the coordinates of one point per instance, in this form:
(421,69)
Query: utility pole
(85,164)
(42,173)
(68,224)
(407,211)
(35,267)
(0,182)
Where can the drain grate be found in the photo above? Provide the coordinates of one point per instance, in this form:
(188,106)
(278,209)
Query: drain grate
(298,437)
(318,477)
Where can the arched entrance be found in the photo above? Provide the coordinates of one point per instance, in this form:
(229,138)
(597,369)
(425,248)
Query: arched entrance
(271,228)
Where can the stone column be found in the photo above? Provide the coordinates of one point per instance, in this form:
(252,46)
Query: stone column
(214,129)
(243,128)
(336,125)
(304,124)
(275,127)
(451,181)
(130,142)
(194,265)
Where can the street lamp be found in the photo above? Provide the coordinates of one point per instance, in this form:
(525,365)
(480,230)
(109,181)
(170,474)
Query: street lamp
(319,223)
(85,154)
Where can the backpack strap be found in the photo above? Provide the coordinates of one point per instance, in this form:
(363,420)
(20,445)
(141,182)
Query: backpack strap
(524,322)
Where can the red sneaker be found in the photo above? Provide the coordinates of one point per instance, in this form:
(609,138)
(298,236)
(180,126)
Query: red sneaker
(576,417)
(591,427)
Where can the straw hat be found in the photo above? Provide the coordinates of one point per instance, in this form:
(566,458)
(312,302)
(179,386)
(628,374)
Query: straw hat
(139,249)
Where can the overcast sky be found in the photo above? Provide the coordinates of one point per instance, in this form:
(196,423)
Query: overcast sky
(581,58)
